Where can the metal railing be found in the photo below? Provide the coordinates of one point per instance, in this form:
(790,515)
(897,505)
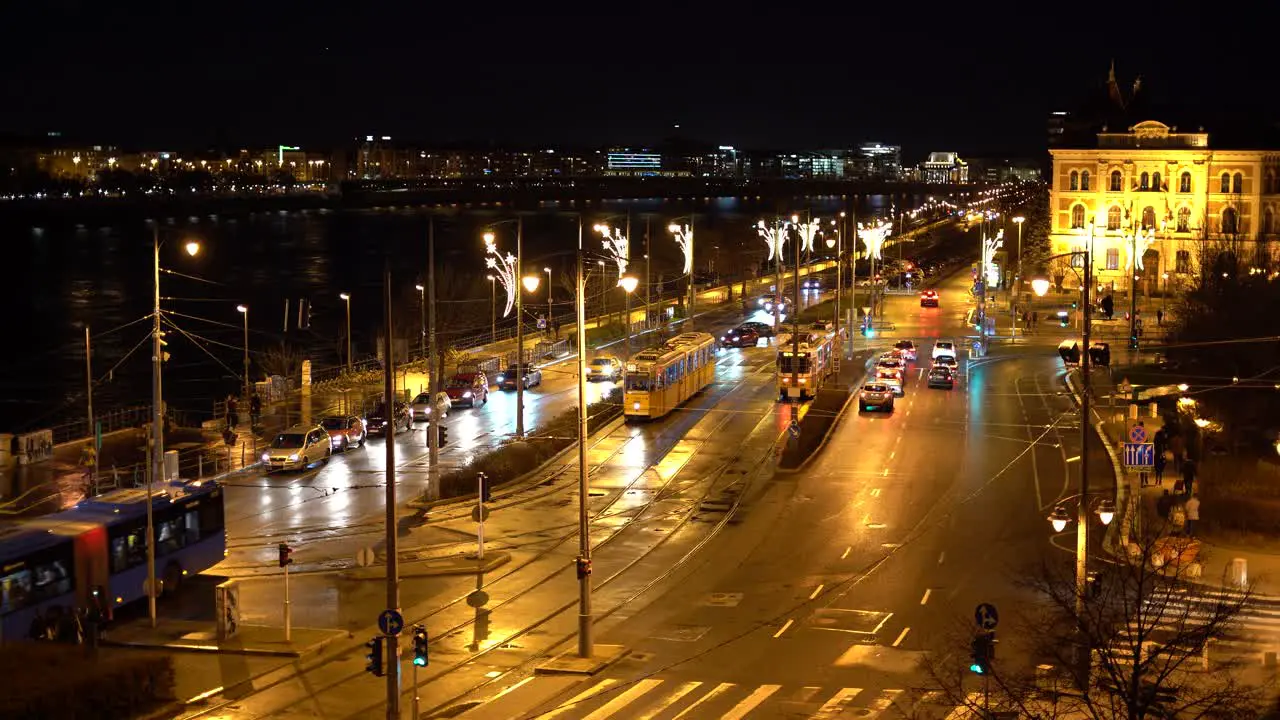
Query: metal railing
(111,421)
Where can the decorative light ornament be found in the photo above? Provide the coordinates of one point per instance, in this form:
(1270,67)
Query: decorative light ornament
(684,238)
(873,236)
(989,247)
(775,237)
(502,266)
(807,232)
(617,245)
(1141,241)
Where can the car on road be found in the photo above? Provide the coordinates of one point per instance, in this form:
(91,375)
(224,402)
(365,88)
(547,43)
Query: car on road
(948,361)
(906,349)
(297,448)
(875,396)
(890,362)
(767,302)
(891,378)
(377,421)
(811,283)
(929,298)
(420,408)
(344,431)
(526,374)
(468,388)
(605,367)
(943,347)
(941,376)
(764,329)
(740,337)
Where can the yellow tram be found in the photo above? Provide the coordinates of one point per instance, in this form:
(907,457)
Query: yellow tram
(660,378)
(811,364)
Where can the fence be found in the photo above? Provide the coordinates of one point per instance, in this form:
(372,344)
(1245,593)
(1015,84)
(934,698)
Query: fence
(110,422)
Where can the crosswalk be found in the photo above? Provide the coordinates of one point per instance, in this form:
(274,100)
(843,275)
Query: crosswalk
(1253,631)
(649,698)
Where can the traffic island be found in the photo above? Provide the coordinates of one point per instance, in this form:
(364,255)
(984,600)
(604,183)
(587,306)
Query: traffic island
(456,565)
(195,636)
(570,663)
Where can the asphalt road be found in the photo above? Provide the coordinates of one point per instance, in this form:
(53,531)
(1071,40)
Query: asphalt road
(824,601)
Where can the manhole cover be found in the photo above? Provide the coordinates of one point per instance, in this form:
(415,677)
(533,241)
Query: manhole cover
(682,633)
(723,599)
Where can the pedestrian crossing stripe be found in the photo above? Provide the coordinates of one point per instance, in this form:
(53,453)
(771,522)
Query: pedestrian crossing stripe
(672,699)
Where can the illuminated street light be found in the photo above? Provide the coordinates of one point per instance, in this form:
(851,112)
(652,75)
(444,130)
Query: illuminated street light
(1183,387)
(807,232)
(1059,518)
(873,236)
(530,282)
(1106,511)
(193,248)
(684,238)
(1040,286)
(629,283)
(775,237)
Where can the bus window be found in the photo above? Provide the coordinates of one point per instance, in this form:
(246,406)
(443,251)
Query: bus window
(128,547)
(43,575)
(638,381)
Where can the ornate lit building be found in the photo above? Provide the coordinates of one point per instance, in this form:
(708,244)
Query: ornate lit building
(1164,198)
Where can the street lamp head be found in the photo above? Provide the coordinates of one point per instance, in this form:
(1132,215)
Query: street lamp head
(419,287)
(831,243)
(600,228)
(600,263)
(628,283)
(530,282)
(193,248)
(1040,286)
(1106,511)
(546,269)
(243,308)
(489,237)
(1019,219)
(1059,518)
(491,278)
(795,218)
(344,296)
(1183,387)
(674,228)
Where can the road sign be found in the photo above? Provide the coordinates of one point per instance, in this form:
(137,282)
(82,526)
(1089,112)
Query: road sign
(1139,456)
(479,513)
(1137,433)
(364,556)
(986,616)
(390,622)
(794,429)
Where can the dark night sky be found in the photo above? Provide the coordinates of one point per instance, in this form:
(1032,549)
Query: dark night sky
(244,74)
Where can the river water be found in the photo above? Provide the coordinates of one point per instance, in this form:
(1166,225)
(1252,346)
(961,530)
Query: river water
(64,276)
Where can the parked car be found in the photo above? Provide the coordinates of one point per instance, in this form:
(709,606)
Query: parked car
(468,388)
(605,368)
(875,396)
(297,448)
(740,337)
(526,374)
(376,422)
(344,431)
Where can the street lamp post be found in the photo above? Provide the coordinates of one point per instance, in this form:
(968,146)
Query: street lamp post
(422,320)
(1017,281)
(547,270)
(584,470)
(493,308)
(508,270)
(346,297)
(244,310)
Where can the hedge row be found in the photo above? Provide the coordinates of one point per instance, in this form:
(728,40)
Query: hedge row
(46,680)
(514,459)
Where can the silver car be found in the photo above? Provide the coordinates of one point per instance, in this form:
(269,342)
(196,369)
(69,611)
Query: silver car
(875,396)
(297,447)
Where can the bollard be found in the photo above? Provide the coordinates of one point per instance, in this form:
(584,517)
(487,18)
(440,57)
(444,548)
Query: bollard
(241,454)
(1239,572)
(200,466)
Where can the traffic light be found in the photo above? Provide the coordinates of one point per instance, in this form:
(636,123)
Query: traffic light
(1133,341)
(286,554)
(442,436)
(373,658)
(982,650)
(486,488)
(421,658)
(583,566)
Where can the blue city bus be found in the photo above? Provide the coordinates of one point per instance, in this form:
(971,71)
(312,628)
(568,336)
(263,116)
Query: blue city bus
(96,554)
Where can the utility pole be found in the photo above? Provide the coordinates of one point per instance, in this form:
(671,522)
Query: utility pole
(648,228)
(584,485)
(157,428)
(519,289)
(693,273)
(853,270)
(795,315)
(626,296)
(93,426)
(393,570)
(433,371)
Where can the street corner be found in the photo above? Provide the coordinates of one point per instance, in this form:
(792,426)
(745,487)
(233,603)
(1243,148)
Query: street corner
(192,636)
(570,662)
(467,564)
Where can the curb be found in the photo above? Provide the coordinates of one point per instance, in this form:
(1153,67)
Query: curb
(214,649)
(853,393)
(1109,540)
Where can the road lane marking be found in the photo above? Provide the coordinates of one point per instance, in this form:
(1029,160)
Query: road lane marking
(972,700)
(901,636)
(573,702)
(719,690)
(739,711)
(784,628)
(942,556)
(925,599)
(882,703)
(837,703)
(875,492)
(671,699)
(816,591)
(893,454)
(635,691)
(885,473)
(845,554)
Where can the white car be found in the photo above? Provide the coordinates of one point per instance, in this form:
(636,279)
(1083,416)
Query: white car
(891,378)
(604,368)
(944,347)
(297,447)
(422,408)
(889,362)
(906,349)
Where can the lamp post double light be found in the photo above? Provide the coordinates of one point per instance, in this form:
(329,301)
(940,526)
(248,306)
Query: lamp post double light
(244,310)
(684,238)
(618,245)
(493,308)
(1017,281)
(347,299)
(775,237)
(422,320)
(157,415)
(507,268)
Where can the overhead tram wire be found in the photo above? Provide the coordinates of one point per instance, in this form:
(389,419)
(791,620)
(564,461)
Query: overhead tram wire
(196,342)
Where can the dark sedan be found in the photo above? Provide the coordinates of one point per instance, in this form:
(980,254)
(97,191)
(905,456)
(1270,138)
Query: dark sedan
(508,378)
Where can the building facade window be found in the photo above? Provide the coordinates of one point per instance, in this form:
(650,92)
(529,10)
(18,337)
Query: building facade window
(1077,217)
(1184,219)
(1113,258)
(1226,183)
(1144,181)
(1117,181)
(1184,183)
(1155,182)
(1268,222)
(1182,262)
(1237,183)
(1075,180)
(1148,217)
(1230,221)
(1270,187)
(1084,181)
(1113,217)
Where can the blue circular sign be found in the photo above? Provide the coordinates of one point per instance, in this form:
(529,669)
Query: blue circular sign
(390,622)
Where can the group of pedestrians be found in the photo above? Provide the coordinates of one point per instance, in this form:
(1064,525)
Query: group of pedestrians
(66,625)
(233,411)
(1170,449)
(1031,320)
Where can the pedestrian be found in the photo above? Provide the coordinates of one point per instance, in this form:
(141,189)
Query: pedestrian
(1159,316)
(1188,477)
(88,460)
(39,628)
(1164,505)
(1192,508)
(255,409)
(1035,319)
(1142,478)
(233,412)
(1159,467)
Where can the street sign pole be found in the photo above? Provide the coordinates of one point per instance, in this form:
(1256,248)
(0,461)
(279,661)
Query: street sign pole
(393,569)
(480,516)
(288,614)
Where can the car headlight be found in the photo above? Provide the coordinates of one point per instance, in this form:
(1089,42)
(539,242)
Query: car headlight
(293,457)
(266,457)
(500,378)
(466,394)
(760,301)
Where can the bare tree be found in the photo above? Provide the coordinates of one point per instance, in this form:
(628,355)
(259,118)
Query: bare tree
(1138,648)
